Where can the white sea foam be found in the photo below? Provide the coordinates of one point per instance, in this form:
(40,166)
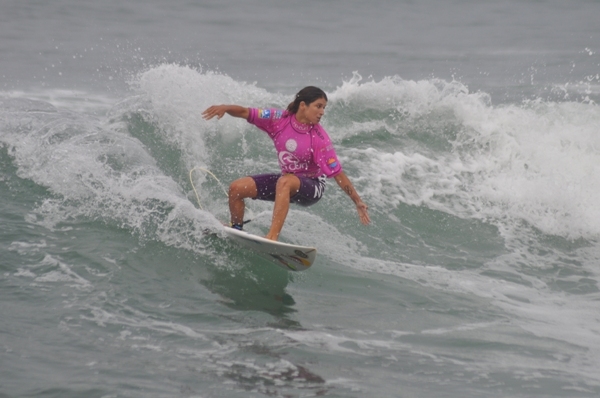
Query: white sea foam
(536,162)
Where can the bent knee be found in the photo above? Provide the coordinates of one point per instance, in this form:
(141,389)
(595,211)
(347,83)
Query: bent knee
(243,188)
(288,183)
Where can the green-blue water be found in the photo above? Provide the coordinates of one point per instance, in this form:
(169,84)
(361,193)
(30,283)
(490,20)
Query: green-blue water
(477,278)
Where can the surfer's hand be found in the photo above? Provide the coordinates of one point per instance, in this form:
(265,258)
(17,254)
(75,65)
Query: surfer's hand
(363,213)
(215,110)
(220,110)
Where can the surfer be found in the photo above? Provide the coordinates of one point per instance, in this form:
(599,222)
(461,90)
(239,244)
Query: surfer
(306,158)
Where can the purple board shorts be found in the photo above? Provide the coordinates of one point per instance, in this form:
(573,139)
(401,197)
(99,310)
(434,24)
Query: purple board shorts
(311,189)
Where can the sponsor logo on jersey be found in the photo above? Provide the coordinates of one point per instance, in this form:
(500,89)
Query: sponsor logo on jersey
(291,145)
(278,114)
(290,162)
(332,163)
(264,113)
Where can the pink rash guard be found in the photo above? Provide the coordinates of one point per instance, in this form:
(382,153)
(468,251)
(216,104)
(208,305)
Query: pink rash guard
(302,149)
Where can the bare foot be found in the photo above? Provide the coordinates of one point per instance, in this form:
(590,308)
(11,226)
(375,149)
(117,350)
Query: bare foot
(268,236)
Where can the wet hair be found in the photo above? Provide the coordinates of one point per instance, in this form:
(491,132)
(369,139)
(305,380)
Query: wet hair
(308,95)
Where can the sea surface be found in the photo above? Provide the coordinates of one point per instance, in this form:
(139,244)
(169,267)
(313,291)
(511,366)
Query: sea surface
(471,129)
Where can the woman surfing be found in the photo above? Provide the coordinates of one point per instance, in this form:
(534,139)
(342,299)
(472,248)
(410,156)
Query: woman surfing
(306,158)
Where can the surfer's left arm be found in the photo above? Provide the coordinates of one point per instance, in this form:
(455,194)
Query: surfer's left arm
(344,182)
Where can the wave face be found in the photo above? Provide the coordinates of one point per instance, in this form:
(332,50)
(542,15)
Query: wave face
(480,266)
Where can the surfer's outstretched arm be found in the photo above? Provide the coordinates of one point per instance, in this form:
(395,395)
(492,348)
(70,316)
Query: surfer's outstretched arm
(220,110)
(344,182)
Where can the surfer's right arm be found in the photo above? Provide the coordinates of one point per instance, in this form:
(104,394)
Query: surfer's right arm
(220,110)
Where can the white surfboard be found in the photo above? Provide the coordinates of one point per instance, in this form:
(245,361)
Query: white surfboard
(287,256)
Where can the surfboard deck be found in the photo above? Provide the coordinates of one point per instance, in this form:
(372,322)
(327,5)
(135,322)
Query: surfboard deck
(287,256)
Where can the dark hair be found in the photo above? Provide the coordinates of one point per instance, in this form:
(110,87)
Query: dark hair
(308,95)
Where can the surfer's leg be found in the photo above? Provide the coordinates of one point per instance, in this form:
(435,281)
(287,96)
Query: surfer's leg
(287,186)
(240,189)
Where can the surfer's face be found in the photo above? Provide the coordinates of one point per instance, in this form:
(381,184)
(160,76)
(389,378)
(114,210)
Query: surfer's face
(312,112)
